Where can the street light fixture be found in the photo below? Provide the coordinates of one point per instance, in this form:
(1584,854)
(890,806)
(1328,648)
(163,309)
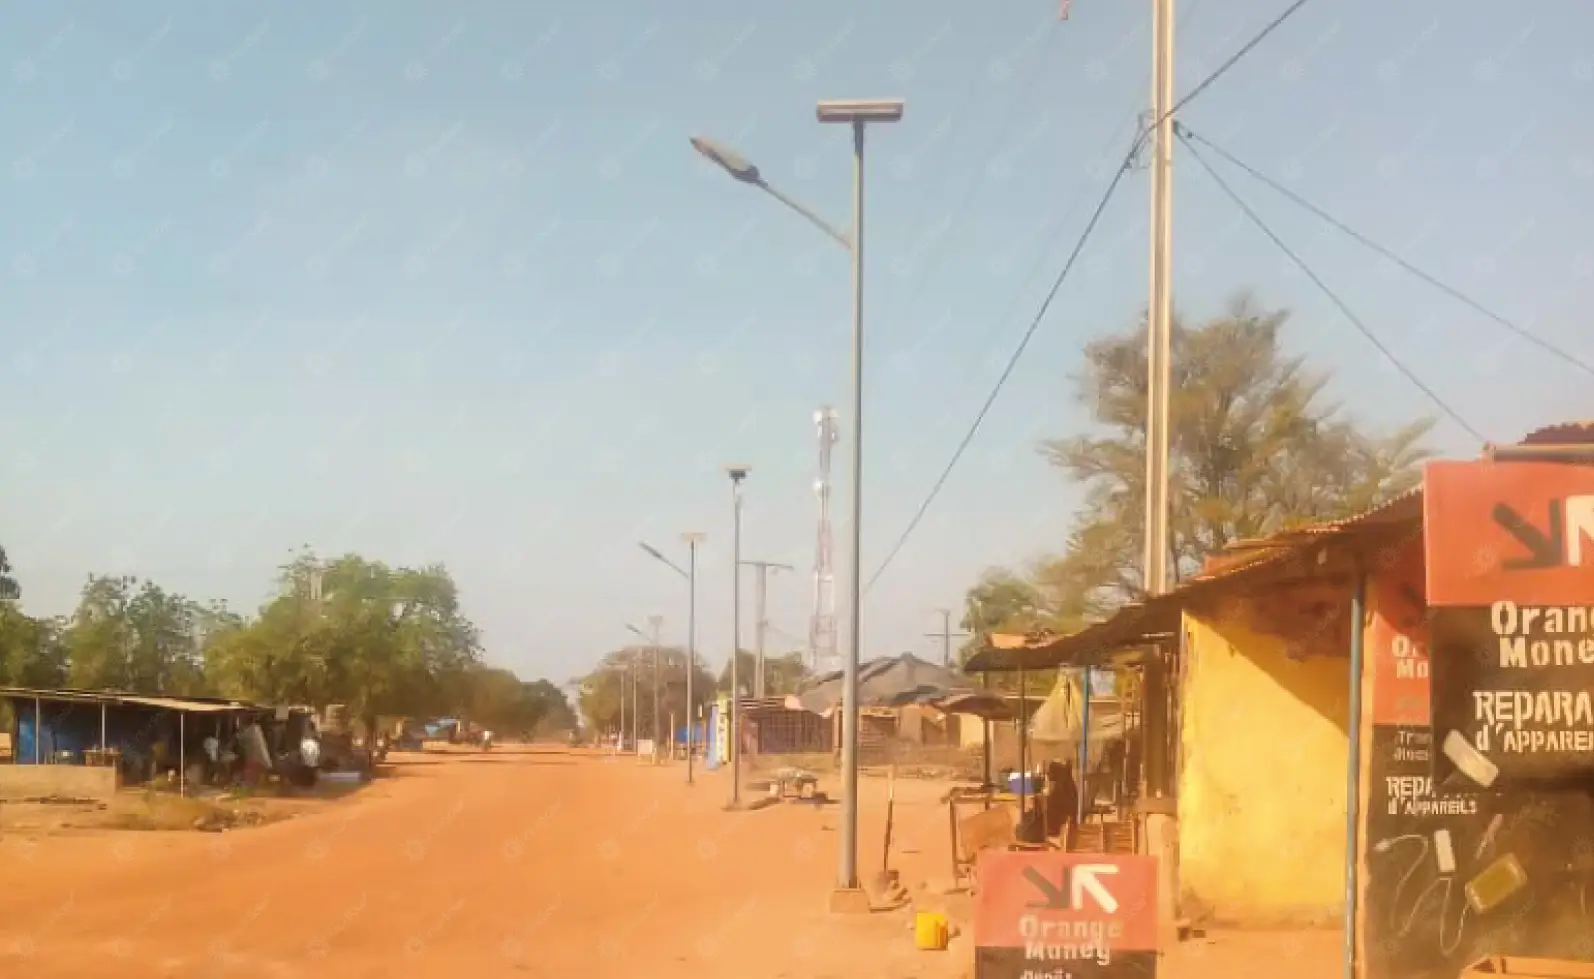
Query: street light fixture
(742,171)
(859,114)
(692,539)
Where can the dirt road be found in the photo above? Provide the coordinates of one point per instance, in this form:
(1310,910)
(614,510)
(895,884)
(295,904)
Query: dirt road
(518,863)
(510,864)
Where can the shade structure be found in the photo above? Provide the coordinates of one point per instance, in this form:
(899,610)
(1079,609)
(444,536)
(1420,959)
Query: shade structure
(898,681)
(1059,720)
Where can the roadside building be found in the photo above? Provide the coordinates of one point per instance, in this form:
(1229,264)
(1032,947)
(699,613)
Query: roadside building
(87,743)
(1380,720)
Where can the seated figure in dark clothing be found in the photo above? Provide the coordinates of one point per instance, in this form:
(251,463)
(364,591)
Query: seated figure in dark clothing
(1062,799)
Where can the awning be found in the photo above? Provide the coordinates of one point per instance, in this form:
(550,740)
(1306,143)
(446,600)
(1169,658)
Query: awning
(1122,637)
(187,705)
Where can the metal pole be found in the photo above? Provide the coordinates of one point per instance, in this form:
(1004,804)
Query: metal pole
(102,730)
(619,746)
(1159,318)
(691,650)
(1358,604)
(657,623)
(182,754)
(761,628)
(636,716)
(734,749)
(1085,805)
(985,684)
(847,873)
(1161,827)
(38,730)
(946,637)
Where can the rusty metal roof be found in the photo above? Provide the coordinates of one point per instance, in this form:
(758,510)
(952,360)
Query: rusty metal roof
(1566,433)
(186,705)
(1157,618)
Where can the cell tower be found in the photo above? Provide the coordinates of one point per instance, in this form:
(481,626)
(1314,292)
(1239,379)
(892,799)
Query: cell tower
(822,626)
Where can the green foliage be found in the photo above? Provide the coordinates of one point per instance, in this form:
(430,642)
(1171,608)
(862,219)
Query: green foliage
(383,641)
(1256,447)
(783,674)
(10,591)
(32,653)
(602,689)
(501,702)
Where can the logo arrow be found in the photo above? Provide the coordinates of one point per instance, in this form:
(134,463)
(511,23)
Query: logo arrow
(1086,882)
(1068,894)
(1579,527)
(1544,550)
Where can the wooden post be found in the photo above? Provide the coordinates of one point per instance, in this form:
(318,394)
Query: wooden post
(182,754)
(102,731)
(38,731)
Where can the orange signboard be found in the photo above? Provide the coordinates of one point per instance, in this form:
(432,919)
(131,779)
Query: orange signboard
(1397,640)
(1048,912)
(1509,532)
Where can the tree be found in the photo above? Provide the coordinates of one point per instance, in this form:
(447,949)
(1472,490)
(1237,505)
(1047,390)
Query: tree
(783,674)
(1255,448)
(1001,601)
(551,708)
(32,653)
(10,591)
(135,636)
(601,690)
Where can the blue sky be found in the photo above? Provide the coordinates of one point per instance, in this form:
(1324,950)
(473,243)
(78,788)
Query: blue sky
(445,281)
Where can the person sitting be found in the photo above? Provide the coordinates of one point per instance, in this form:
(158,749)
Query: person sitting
(1062,800)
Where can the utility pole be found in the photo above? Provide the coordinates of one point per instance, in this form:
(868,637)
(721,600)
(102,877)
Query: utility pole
(946,635)
(656,623)
(692,540)
(761,625)
(1161,834)
(822,623)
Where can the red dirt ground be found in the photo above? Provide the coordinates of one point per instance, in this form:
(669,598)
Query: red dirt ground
(520,863)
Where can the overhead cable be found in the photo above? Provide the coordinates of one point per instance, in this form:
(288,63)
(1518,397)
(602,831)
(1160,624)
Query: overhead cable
(1357,236)
(1333,297)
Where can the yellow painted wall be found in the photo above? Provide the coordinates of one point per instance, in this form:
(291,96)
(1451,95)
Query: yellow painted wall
(1262,784)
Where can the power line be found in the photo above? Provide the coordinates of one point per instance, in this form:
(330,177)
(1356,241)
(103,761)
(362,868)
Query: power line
(1007,371)
(1073,257)
(1432,280)
(1232,60)
(1323,286)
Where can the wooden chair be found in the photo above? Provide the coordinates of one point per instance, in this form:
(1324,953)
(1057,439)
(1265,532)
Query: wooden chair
(995,828)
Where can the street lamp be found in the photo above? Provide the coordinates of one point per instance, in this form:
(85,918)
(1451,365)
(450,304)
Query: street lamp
(858,114)
(692,539)
(737,474)
(652,640)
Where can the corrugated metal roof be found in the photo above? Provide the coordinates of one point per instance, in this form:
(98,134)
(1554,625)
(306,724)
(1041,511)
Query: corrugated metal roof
(1566,433)
(189,705)
(1144,622)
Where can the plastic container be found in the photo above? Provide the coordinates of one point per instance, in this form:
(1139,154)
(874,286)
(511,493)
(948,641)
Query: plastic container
(1019,782)
(930,933)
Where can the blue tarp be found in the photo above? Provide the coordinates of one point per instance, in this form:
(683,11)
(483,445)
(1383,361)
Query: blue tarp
(75,728)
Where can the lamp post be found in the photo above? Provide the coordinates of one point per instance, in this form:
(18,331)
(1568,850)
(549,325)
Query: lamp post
(859,114)
(692,539)
(651,638)
(737,474)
